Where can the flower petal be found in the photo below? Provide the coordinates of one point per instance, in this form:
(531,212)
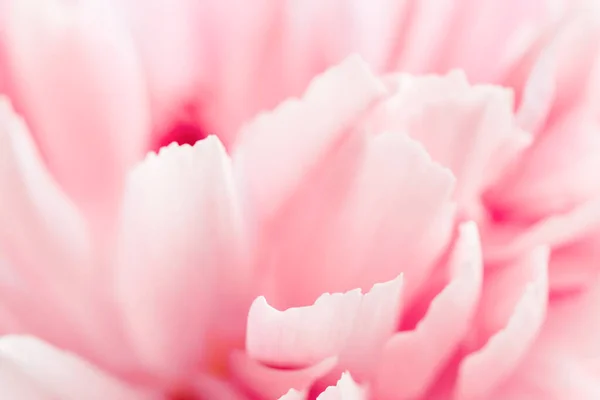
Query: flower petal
(294,395)
(407,370)
(461,126)
(166,34)
(279,149)
(350,324)
(182,243)
(48,222)
(63,375)
(81,88)
(563,363)
(485,369)
(346,389)
(271,383)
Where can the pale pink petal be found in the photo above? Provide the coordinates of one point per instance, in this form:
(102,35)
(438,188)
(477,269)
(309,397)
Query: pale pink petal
(48,222)
(425,24)
(565,360)
(538,92)
(411,360)
(279,149)
(483,35)
(507,241)
(64,375)
(346,389)
(513,310)
(294,395)
(350,324)
(42,284)
(272,383)
(462,127)
(168,36)
(335,177)
(360,200)
(17,385)
(181,262)
(79,84)
(298,337)
(376,320)
(575,264)
(558,172)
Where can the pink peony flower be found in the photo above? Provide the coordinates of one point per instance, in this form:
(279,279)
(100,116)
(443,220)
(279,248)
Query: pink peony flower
(413,235)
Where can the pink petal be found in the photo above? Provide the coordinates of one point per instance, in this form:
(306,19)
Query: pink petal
(382,196)
(576,264)
(563,364)
(42,282)
(346,389)
(508,241)
(483,34)
(492,364)
(167,35)
(294,395)
(462,127)
(17,385)
(411,360)
(335,324)
(48,222)
(334,177)
(181,244)
(64,376)
(80,86)
(558,172)
(272,383)
(277,151)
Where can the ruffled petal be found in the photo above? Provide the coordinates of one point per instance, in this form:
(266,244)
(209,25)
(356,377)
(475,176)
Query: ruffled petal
(375,198)
(80,86)
(350,325)
(346,389)
(411,360)
(278,150)
(182,243)
(462,127)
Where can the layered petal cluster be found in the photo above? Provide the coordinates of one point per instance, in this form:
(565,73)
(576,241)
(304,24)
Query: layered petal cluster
(407,235)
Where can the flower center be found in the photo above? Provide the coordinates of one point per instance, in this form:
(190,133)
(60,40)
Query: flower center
(183,132)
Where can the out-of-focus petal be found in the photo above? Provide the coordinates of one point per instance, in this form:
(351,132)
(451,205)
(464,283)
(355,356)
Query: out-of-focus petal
(346,389)
(294,395)
(181,266)
(17,385)
(51,242)
(78,82)
(511,314)
(62,375)
(349,324)
(564,362)
(168,35)
(575,264)
(559,171)
(406,370)
(507,240)
(271,383)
